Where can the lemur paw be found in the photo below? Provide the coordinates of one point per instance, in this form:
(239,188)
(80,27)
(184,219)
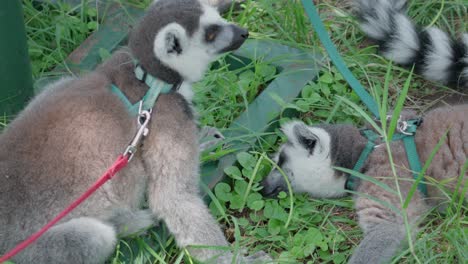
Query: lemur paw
(259,257)
(209,137)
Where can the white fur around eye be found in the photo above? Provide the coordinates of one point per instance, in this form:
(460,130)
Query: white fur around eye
(324,140)
(211,16)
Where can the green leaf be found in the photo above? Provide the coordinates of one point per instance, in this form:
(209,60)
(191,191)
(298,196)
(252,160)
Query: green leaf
(302,105)
(223,192)
(254,201)
(282,195)
(255,217)
(215,210)
(308,90)
(266,70)
(274,211)
(104,54)
(326,78)
(313,236)
(325,90)
(236,202)
(92,25)
(233,172)
(243,221)
(247,172)
(246,160)
(240,187)
(254,197)
(274,226)
(257,205)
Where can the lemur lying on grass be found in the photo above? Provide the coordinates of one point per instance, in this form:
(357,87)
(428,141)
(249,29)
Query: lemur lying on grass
(72,132)
(310,156)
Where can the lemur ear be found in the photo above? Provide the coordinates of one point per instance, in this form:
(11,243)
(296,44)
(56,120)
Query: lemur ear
(300,134)
(305,137)
(173,45)
(170,41)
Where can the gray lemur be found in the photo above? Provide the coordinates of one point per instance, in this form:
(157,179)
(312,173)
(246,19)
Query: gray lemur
(311,153)
(72,132)
(436,55)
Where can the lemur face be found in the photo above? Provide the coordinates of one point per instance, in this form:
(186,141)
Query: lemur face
(186,36)
(306,160)
(192,54)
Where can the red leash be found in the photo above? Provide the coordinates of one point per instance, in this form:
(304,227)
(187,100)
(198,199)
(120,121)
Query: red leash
(119,164)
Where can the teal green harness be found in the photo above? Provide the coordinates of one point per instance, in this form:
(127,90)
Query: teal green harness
(156,87)
(407,135)
(409,127)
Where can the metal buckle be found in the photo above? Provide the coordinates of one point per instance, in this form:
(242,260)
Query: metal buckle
(402,126)
(143,119)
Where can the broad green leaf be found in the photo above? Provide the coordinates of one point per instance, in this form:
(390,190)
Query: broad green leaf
(246,160)
(233,172)
(236,202)
(240,187)
(223,192)
(274,226)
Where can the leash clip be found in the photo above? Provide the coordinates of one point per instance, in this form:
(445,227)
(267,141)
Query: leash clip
(144,117)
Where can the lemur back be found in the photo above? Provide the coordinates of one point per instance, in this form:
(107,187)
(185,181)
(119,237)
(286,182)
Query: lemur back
(310,156)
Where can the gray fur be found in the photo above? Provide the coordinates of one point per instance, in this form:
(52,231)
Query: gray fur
(346,144)
(380,243)
(127,223)
(384,229)
(74,130)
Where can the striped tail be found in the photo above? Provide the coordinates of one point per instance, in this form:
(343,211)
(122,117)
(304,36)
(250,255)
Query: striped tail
(436,55)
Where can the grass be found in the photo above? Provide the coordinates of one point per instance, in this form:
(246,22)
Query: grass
(294,229)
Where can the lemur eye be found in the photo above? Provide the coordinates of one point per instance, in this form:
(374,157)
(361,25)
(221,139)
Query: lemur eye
(211,32)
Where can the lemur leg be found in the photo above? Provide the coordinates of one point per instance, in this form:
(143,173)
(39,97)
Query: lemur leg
(173,196)
(80,240)
(128,222)
(381,242)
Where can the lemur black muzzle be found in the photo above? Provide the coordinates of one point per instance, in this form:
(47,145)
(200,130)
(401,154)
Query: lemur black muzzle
(238,38)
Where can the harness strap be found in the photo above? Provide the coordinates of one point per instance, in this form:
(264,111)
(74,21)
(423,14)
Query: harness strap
(407,136)
(336,58)
(370,145)
(412,155)
(156,87)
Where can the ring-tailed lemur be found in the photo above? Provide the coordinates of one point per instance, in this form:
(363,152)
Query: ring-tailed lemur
(310,156)
(72,132)
(436,55)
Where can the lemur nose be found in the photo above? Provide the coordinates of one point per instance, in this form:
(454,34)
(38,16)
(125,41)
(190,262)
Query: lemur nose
(240,32)
(245,33)
(239,35)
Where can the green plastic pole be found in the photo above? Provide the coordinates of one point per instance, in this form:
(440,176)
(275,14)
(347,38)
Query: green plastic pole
(16,85)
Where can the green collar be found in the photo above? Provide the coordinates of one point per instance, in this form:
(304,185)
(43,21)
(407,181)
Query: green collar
(408,129)
(156,87)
